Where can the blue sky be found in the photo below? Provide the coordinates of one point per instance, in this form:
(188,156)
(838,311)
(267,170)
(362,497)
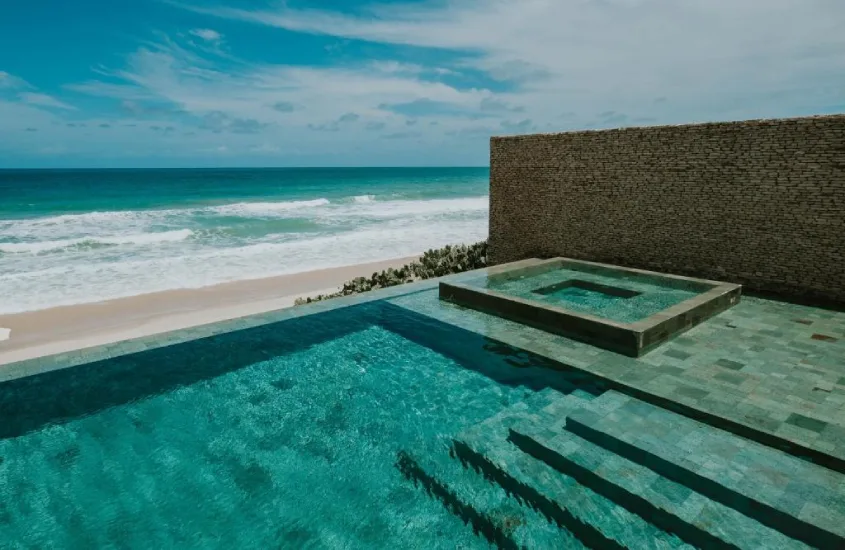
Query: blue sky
(153,83)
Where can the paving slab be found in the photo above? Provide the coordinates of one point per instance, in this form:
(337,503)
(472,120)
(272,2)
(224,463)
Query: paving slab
(595,520)
(672,506)
(775,488)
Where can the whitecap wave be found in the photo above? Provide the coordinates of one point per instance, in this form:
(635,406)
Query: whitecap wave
(93,220)
(137,239)
(84,281)
(88,217)
(104,255)
(264,208)
(408,208)
(94,224)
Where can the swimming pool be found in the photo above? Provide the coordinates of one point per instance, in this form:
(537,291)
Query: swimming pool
(373,423)
(284,434)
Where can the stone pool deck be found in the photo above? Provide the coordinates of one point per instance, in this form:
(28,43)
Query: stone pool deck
(766,370)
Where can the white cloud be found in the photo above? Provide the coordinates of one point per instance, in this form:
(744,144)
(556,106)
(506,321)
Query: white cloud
(16,89)
(712,58)
(265,148)
(222,101)
(43,100)
(17,116)
(207,34)
(125,92)
(253,92)
(537,65)
(9,81)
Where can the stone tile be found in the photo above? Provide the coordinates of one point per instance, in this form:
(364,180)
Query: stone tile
(677,354)
(728,364)
(806,422)
(760,473)
(729,378)
(695,393)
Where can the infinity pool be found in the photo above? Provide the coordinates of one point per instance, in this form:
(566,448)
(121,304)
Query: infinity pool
(389,420)
(284,435)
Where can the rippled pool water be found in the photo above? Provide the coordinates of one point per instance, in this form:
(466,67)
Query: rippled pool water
(615,296)
(284,435)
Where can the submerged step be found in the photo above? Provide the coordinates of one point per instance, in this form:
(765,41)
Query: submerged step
(548,406)
(595,520)
(480,523)
(670,506)
(531,407)
(486,508)
(798,498)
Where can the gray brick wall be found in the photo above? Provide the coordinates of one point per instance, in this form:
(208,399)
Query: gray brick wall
(760,202)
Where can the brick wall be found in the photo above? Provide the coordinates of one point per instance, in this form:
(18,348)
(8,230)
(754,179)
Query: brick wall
(760,202)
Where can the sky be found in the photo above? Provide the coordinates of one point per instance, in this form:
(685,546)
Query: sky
(205,83)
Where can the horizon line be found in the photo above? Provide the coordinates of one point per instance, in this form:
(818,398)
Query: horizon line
(67,169)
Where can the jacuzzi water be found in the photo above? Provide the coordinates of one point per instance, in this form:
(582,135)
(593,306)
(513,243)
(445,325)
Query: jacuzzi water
(652,294)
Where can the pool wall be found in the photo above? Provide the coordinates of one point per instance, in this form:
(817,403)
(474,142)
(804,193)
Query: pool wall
(760,203)
(631,339)
(83,356)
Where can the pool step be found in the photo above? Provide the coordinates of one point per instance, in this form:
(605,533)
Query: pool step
(529,408)
(486,508)
(797,498)
(595,520)
(670,506)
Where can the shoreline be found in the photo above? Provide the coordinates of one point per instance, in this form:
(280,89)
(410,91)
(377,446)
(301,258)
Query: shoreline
(67,328)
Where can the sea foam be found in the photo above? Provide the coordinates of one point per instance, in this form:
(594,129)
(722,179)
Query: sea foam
(136,239)
(104,255)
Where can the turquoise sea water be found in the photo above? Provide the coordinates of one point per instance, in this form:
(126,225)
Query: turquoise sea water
(75,236)
(282,436)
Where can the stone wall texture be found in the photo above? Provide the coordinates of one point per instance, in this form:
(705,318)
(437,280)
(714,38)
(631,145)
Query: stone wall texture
(760,202)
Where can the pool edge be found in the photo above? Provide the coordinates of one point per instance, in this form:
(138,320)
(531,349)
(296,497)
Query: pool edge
(630,339)
(71,358)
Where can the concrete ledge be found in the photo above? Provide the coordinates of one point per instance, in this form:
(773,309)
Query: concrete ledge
(631,339)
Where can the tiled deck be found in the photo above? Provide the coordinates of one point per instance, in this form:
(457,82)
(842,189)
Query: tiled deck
(767,370)
(789,494)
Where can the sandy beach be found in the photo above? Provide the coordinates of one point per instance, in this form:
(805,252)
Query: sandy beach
(60,329)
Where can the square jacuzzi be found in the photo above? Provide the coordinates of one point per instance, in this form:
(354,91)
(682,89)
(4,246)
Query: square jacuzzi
(629,311)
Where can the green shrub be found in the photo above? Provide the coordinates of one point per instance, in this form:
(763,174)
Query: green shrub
(433,263)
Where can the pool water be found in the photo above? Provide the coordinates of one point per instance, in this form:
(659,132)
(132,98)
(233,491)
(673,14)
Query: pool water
(284,435)
(576,294)
(618,297)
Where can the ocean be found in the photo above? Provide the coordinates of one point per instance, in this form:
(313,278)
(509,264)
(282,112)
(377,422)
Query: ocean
(79,236)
